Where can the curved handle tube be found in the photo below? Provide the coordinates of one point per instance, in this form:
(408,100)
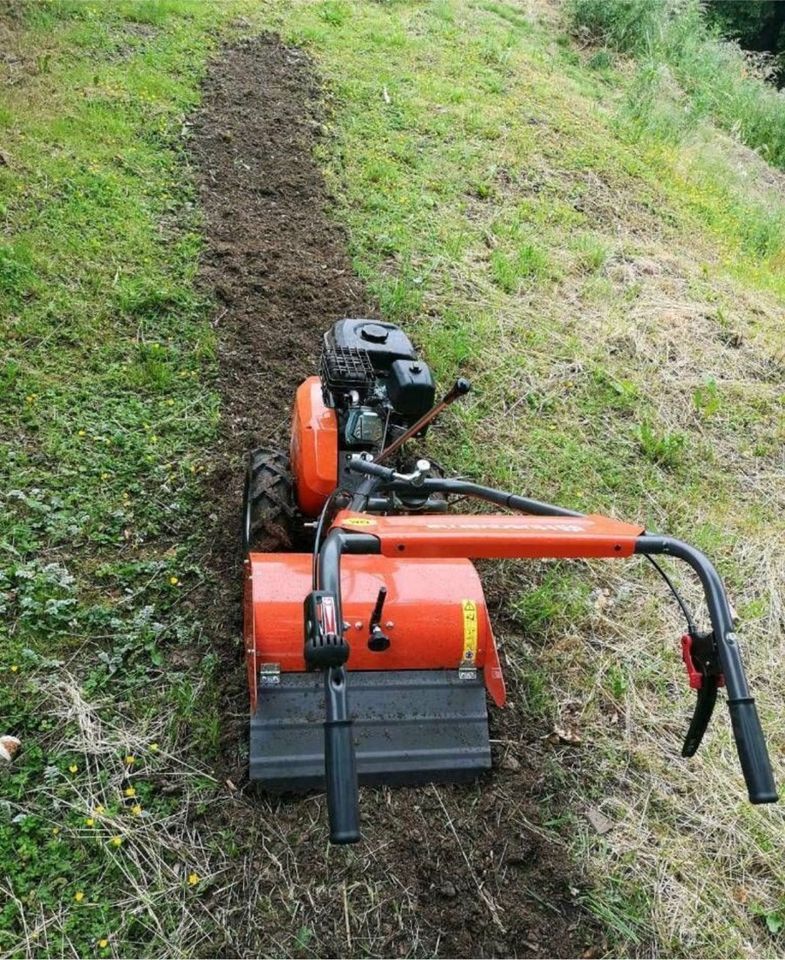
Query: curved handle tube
(747,732)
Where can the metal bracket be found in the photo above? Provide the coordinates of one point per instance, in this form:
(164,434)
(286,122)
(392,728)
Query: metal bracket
(269,675)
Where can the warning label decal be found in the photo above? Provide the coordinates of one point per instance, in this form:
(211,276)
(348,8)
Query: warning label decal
(469,630)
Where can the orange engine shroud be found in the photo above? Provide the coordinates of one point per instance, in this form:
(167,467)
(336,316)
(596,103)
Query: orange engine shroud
(314,447)
(436,608)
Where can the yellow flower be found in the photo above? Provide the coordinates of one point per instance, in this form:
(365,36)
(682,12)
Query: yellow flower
(130,759)
(80,433)
(136,810)
(130,791)
(55,831)
(193,879)
(174,581)
(153,748)
(14,668)
(99,810)
(103,943)
(104,476)
(79,896)
(73,768)
(89,822)
(116,841)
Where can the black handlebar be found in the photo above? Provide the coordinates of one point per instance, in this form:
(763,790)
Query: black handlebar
(753,754)
(747,732)
(372,469)
(340,767)
(340,763)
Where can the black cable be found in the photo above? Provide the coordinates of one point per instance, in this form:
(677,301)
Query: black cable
(317,538)
(679,598)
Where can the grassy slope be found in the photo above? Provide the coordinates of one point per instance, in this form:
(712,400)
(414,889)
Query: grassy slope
(624,333)
(105,394)
(621,322)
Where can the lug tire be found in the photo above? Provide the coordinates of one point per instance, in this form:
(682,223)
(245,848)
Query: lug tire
(271,520)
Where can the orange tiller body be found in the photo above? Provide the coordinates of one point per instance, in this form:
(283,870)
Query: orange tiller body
(314,447)
(432,608)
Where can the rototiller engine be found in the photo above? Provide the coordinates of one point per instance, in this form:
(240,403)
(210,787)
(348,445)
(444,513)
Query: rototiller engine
(369,657)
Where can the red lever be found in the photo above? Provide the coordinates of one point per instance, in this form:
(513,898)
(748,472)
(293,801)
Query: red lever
(695,675)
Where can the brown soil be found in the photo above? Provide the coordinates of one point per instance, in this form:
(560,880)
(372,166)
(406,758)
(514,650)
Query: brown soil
(447,871)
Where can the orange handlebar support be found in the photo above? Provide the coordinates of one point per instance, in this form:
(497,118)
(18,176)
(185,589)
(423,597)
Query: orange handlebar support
(495,536)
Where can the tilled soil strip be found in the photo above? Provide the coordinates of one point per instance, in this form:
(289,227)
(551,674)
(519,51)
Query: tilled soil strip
(451,871)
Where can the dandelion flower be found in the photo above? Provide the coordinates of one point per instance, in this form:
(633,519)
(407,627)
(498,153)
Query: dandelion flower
(55,831)
(89,822)
(80,433)
(193,879)
(99,810)
(116,841)
(153,748)
(130,759)
(73,768)
(130,791)
(174,581)
(14,668)
(103,943)
(79,896)
(136,810)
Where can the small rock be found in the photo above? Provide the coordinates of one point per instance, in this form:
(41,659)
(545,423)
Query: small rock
(599,821)
(511,763)
(448,890)
(9,746)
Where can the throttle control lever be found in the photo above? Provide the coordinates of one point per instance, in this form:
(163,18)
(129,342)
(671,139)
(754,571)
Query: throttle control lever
(701,657)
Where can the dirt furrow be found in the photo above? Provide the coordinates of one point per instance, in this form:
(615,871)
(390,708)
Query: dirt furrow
(454,871)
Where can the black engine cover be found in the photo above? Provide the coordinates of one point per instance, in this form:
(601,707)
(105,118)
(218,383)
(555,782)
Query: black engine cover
(383,342)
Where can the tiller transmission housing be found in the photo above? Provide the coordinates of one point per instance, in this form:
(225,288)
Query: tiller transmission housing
(371,656)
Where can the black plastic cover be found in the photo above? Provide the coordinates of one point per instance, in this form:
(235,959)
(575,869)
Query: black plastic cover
(383,342)
(410,388)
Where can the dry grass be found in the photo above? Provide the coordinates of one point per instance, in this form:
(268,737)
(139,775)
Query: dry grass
(155,853)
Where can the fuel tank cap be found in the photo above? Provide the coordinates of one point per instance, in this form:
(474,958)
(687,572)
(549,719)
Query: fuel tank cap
(374,332)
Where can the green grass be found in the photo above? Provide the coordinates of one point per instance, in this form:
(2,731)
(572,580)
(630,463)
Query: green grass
(613,283)
(719,81)
(105,396)
(592,275)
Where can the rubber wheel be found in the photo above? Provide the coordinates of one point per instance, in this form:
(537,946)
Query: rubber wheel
(271,521)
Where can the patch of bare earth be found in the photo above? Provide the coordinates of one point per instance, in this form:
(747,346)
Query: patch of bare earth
(454,871)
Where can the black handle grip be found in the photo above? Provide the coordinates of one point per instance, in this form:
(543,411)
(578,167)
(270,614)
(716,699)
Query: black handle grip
(371,469)
(340,766)
(460,388)
(752,750)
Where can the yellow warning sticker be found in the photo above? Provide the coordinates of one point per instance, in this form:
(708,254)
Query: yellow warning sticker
(358,522)
(469,630)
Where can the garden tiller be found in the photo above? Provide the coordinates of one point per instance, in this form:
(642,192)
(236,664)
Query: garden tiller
(370,654)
